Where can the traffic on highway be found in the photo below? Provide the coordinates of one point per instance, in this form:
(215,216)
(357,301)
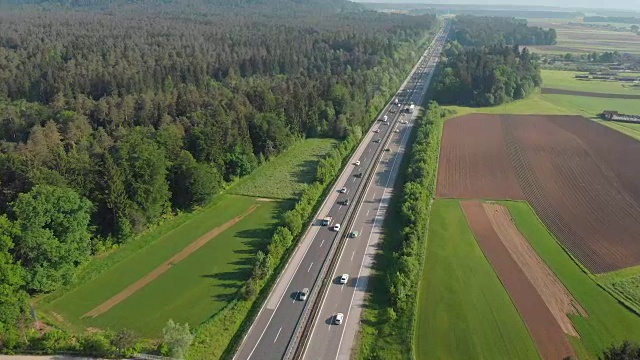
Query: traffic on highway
(303,311)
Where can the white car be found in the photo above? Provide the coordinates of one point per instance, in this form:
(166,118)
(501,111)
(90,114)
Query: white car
(343,190)
(358,163)
(344,278)
(303,294)
(396,130)
(336,227)
(339,318)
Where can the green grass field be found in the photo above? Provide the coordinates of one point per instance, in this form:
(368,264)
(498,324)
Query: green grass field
(566,80)
(192,290)
(285,176)
(608,321)
(464,311)
(557,105)
(625,284)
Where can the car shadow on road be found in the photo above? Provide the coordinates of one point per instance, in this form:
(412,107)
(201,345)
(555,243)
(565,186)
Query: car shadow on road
(329,320)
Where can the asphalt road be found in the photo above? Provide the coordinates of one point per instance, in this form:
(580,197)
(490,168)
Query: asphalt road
(275,324)
(331,341)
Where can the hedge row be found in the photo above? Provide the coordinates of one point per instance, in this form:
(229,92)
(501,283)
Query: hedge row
(389,318)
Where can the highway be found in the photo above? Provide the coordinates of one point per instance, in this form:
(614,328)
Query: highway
(276,324)
(330,341)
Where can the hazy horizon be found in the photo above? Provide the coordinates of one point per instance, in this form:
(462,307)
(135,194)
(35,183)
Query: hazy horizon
(585,4)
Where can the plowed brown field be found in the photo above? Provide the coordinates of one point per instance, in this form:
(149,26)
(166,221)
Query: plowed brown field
(581,178)
(545,330)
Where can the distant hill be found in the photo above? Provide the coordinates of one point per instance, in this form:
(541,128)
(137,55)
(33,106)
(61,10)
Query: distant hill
(331,5)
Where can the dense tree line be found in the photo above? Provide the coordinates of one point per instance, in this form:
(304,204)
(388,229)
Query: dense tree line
(625,351)
(389,335)
(613,19)
(487,76)
(112,120)
(470,30)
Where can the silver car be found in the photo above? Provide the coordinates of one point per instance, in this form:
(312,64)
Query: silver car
(303,294)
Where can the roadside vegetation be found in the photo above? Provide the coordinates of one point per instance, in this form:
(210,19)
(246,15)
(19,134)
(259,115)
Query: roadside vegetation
(464,310)
(388,320)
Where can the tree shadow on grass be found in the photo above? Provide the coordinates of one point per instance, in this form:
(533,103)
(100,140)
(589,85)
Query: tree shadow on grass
(305,171)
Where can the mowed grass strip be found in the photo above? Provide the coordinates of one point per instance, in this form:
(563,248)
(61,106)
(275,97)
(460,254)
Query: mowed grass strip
(464,311)
(286,176)
(625,284)
(608,321)
(74,303)
(552,104)
(199,286)
(566,80)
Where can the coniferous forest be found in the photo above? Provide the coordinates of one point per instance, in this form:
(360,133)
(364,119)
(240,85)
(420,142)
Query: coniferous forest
(114,115)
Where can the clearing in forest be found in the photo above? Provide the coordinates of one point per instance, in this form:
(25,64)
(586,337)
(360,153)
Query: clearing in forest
(287,174)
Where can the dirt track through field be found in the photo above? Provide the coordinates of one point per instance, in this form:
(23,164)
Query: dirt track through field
(558,299)
(545,331)
(580,177)
(590,94)
(155,273)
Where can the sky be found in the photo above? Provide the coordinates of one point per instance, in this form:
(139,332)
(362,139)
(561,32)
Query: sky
(601,4)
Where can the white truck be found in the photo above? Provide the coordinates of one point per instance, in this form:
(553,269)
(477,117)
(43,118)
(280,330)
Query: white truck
(385,118)
(326,221)
(410,109)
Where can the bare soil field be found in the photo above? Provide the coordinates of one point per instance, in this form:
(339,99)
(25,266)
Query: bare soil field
(590,94)
(558,299)
(545,331)
(580,177)
(468,167)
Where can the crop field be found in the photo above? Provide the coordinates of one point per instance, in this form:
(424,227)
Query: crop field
(607,321)
(464,311)
(577,38)
(566,80)
(540,298)
(574,172)
(187,274)
(286,175)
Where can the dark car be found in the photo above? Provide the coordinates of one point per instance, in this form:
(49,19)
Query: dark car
(345,202)
(358,175)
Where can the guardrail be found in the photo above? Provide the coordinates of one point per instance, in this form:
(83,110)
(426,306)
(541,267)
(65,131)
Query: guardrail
(327,267)
(300,339)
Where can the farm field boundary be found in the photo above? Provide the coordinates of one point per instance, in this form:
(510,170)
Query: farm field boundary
(576,157)
(609,321)
(554,91)
(464,312)
(546,332)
